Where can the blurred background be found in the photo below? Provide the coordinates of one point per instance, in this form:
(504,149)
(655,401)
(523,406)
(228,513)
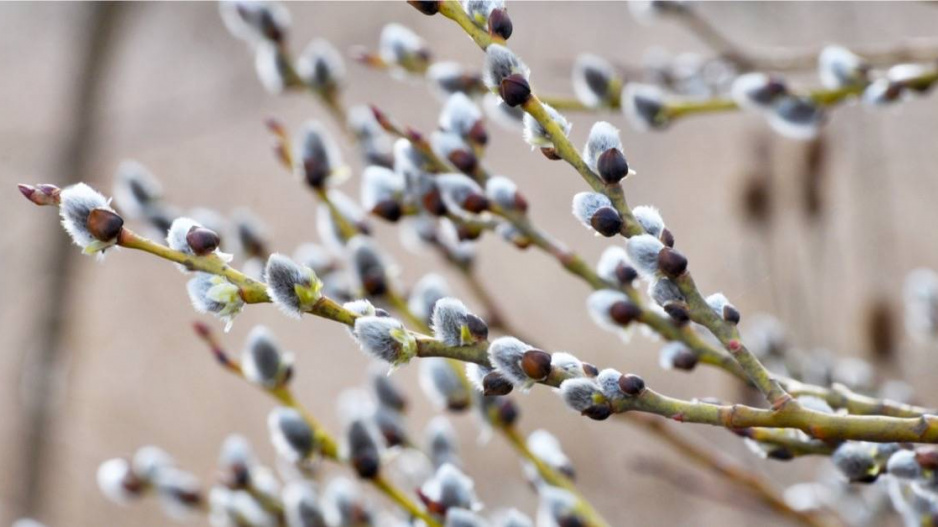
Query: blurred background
(98,359)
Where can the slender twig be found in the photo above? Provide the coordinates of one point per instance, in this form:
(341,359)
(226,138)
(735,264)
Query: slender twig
(326,444)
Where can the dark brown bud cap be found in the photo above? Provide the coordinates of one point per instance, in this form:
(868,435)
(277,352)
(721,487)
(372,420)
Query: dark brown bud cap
(678,312)
(667,238)
(685,360)
(551,153)
(536,364)
(780,454)
(433,202)
(731,314)
(598,412)
(388,209)
(494,384)
(464,161)
(477,327)
(507,411)
(671,262)
(631,384)
(366,465)
(458,405)
(500,23)
(612,166)
(375,284)
(607,222)
(315,172)
(428,8)
(104,225)
(202,241)
(927,458)
(478,134)
(590,370)
(514,90)
(626,274)
(476,203)
(624,312)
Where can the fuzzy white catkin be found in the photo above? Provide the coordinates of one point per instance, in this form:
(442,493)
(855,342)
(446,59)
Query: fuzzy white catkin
(459,114)
(459,517)
(603,136)
(796,118)
(284,277)
(135,189)
(447,78)
(176,490)
(401,47)
(426,293)
(441,442)
(380,184)
(291,435)
(838,67)
(567,364)
(650,219)
(505,353)
(643,252)
(592,78)
(77,202)
(450,487)
(176,236)
(456,188)
(536,135)
(271,67)
(111,476)
(579,393)
(444,144)
(598,304)
(385,338)
(442,384)
(314,142)
(262,360)
(585,205)
(642,105)
(749,91)
(610,261)
(344,503)
(854,460)
(548,449)
(448,319)
(500,62)
(512,518)
(320,65)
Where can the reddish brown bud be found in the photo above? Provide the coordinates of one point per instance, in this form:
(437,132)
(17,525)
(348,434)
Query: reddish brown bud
(678,312)
(388,209)
(202,241)
(781,454)
(478,135)
(375,284)
(671,262)
(514,90)
(104,225)
(612,166)
(551,153)
(624,312)
(667,238)
(500,23)
(685,359)
(590,370)
(433,202)
(315,172)
(464,161)
(599,412)
(631,384)
(476,203)
(607,222)
(536,364)
(428,8)
(927,457)
(366,465)
(626,274)
(477,327)
(495,384)
(521,204)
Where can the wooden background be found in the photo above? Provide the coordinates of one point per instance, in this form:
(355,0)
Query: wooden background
(177,93)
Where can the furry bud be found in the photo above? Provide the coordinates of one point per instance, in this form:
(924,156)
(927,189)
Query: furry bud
(301,506)
(603,153)
(462,117)
(500,64)
(595,212)
(179,493)
(403,49)
(608,381)
(903,464)
(631,384)
(504,193)
(441,442)
(118,482)
(369,270)
(452,325)
(644,106)
(454,149)
(671,263)
(382,191)
(294,288)
(664,292)
(448,78)
(796,118)
(272,67)
(536,135)
(385,338)
(650,220)
(88,218)
(425,294)
(317,158)
(506,354)
(614,266)
(363,449)
(236,461)
(838,68)
(612,311)
(320,66)
(262,361)
(643,251)
(757,91)
(881,92)
(448,488)
(723,308)
(855,461)
(510,118)
(594,80)
(290,434)
(253,21)
(344,504)
(461,193)
(584,396)
(548,449)
(216,295)
(443,385)
(512,518)
(677,356)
